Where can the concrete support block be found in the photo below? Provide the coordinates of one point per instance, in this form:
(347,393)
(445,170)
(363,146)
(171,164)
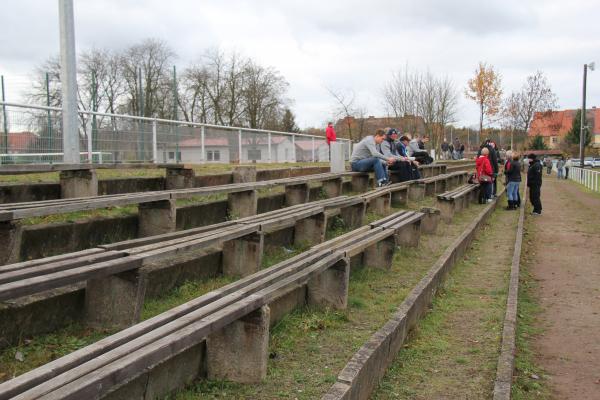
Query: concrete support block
(360,183)
(243,256)
(381,204)
(244,174)
(239,352)
(156,217)
(332,188)
(296,194)
(441,186)
(426,172)
(242,204)
(354,216)
(78,183)
(399,197)
(330,288)
(430,221)
(443,169)
(179,178)
(10,239)
(430,189)
(310,231)
(380,255)
(446,208)
(416,192)
(409,235)
(116,301)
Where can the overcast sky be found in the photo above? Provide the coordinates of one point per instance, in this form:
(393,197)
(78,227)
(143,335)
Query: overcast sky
(343,45)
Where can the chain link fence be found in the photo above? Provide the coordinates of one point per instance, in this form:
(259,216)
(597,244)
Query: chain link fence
(33,134)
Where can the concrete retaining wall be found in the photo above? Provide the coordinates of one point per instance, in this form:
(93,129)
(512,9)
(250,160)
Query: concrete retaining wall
(20,192)
(506,361)
(363,372)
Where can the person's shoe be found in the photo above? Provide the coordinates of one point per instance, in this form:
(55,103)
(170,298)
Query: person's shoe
(383,183)
(510,206)
(537,214)
(490,201)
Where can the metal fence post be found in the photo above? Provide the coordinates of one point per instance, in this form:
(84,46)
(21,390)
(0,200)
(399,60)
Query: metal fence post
(202,134)
(313,149)
(89,141)
(154,144)
(240,145)
(294,147)
(68,79)
(4,120)
(269,158)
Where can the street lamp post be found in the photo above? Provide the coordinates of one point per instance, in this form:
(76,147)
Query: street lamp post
(582,130)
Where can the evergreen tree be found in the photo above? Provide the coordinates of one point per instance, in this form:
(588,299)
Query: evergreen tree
(573,134)
(289,121)
(537,143)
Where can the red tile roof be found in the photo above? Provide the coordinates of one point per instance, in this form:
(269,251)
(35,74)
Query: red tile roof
(552,123)
(20,140)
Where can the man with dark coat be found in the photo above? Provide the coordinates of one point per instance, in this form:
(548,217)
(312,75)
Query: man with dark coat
(534,183)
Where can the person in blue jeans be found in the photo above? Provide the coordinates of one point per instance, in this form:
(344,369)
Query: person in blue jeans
(366,157)
(512,170)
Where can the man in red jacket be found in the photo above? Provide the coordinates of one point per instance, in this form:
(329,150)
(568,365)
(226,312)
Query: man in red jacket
(330,133)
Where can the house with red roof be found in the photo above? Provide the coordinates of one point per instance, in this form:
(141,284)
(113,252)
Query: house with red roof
(553,126)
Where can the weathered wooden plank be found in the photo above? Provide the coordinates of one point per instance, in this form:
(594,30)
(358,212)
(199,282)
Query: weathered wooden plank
(45,260)
(62,265)
(38,284)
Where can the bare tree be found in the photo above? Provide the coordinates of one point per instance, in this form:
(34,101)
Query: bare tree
(345,109)
(535,96)
(263,94)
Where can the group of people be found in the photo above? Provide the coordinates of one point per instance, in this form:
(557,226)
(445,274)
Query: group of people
(562,167)
(452,151)
(487,172)
(387,150)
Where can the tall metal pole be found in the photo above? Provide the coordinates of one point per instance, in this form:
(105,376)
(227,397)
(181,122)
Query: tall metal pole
(177,156)
(50,138)
(94,109)
(141,147)
(582,129)
(4,120)
(68,78)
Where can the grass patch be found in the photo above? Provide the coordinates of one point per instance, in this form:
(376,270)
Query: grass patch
(78,216)
(526,387)
(189,290)
(32,353)
(453,351)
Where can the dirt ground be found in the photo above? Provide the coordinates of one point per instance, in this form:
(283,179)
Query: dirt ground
(566,254)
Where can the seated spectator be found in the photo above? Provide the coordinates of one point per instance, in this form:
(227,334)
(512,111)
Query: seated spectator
(402,164)
(416,149)
(402,147)
(366,157)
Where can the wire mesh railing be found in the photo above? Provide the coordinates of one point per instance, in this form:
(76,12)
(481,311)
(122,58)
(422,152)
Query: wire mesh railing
(33,134)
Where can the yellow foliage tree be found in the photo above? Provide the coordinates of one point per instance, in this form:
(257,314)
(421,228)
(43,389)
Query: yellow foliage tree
(485,89)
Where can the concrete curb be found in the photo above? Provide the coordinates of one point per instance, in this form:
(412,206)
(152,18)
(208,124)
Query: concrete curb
(368,365)
(506,360)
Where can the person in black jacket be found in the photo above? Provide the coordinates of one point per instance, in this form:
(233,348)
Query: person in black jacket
(512,170)
(534,183)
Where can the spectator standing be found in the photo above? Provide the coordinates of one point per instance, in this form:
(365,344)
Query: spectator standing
(456,152)
(366,157)
(560,164)
(548,165)
(568,165)
(330,133)
(493,157)
(512,170)
(451,151)
(445,150)
(534,183)
(484,176)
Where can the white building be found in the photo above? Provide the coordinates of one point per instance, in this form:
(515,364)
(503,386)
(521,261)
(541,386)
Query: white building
(223,149)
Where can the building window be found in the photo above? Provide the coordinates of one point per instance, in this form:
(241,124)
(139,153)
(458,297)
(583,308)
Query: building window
(253,154)
(172,155)
(213,155)
(554,140)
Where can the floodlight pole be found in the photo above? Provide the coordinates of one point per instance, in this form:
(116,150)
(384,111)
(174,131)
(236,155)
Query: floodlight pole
(582,128)
(68,78)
